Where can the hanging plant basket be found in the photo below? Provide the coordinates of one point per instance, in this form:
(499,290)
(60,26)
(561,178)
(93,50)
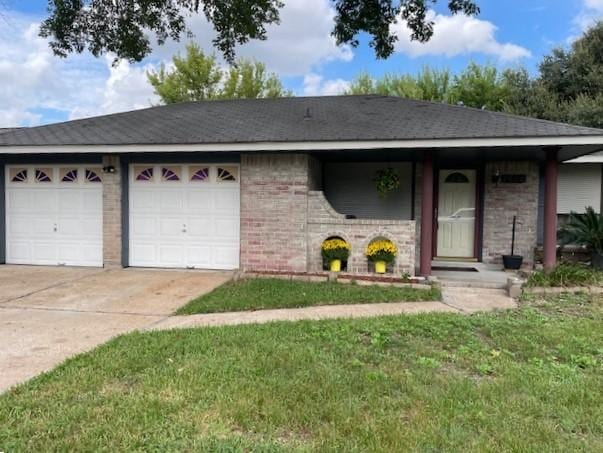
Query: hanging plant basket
(386,180)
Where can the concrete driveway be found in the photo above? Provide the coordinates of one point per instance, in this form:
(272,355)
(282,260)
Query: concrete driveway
(48,314)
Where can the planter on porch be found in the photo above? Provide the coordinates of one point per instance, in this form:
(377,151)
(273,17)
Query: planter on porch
(597,260)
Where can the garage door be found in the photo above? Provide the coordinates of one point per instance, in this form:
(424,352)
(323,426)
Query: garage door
(184,216)
(54,215)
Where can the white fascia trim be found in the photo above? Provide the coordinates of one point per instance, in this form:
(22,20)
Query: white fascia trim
(309,146)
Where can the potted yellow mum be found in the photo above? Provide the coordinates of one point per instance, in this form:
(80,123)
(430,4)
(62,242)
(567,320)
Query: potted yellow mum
(334,251)
(381,252)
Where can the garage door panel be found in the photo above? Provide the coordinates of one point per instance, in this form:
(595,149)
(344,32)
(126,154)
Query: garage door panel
(199,200)
(142,200)
(199,256)
(200,227)
(44,201)
(227,228)
(145,254)
(171,201)
(143,226)
(194,223)
(225,200)
(171,227)
(171,254)
(224,256)
(53,222)
(19,252)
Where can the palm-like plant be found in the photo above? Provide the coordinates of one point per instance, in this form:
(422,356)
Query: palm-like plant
(584,229)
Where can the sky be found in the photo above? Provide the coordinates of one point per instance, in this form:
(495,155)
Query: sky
(37,87)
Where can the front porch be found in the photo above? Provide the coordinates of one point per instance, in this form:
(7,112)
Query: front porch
(472,197)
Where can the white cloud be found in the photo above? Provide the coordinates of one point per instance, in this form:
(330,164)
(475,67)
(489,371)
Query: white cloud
(458,35)
(592,11)
(33,80)
(316,85)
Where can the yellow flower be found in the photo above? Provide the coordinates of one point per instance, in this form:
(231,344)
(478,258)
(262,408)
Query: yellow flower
(381,246)
(335,244)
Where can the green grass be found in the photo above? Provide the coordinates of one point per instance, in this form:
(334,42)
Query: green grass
(566,275)
(523,380)
(264,293)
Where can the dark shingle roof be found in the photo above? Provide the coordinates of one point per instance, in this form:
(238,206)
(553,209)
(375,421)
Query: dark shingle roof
(4,130)
(301,119)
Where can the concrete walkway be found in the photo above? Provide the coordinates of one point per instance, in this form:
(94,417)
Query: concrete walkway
(455,300)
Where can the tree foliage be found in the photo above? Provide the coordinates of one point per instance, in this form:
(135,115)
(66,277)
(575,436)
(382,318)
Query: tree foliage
(122,26)
(568,88)
(197,77)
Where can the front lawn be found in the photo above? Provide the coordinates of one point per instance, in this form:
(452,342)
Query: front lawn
(566,275)
(522,380)
(265,293)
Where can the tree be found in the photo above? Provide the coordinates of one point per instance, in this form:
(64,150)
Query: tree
(122,26)
(429,85)
(198,77)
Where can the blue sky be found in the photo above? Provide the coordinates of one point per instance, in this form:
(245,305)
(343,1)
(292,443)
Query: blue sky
(38,88)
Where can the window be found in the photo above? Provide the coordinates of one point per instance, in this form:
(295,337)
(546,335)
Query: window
(170,173)
(18,175)
(227,173)
(43,175)
(199,174)
(68,174)
(456,178)
(143,173)
(92,175)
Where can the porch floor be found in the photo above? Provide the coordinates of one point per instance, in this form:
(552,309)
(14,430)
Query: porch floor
(485,275)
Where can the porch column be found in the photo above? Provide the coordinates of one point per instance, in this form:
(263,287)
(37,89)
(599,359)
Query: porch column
(426,215)
(550,209)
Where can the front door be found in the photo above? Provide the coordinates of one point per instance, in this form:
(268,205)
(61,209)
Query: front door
(456,214)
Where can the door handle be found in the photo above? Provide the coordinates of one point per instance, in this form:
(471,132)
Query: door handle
(55,228)
(184,228)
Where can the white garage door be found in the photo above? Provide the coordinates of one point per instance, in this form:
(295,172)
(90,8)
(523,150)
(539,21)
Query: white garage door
(54,215)
(184,216)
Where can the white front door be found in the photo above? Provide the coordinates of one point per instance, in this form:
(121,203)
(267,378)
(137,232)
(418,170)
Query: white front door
(54,215)
(184,216)
(456,214)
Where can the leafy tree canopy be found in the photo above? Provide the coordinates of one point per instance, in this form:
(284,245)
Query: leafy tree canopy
(197,77)
(568,88)
(123,26)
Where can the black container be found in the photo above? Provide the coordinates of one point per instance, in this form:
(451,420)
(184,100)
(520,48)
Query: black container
(597,261)
(512,262)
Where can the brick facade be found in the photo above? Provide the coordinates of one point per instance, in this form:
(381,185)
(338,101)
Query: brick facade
(502,201)
(112,192)
(324,222)
(274,198)
(284,221)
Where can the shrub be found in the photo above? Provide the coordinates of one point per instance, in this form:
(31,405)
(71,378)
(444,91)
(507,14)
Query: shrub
(584,229)
(335,249)
(566,275)
(381,250)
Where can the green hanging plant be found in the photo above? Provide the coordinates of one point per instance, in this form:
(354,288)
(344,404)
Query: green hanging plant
(385,181)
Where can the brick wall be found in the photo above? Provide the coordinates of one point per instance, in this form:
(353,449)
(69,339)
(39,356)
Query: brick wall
(324,222)
(501,203)
(112,235)
(274,194)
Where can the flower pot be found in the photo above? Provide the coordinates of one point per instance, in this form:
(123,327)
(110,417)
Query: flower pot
(512,262)
(380,267)
(597,260)
(335,266)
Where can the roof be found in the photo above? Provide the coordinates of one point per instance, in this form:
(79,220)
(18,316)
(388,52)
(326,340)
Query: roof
(594,158)
(3,130)
(295,119)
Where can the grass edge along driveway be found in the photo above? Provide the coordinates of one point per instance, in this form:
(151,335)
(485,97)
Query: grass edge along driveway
(270,293)
(527,379)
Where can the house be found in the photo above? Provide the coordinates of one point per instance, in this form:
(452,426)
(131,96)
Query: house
(259,184)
